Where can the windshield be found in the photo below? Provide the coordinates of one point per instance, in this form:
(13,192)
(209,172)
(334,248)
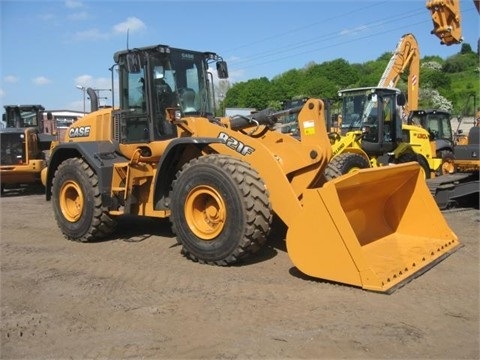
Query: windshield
(21,117)
(353,108)
(178,80)
(439,126)
(155,82)
(361,108)
(12,149)
(190,77)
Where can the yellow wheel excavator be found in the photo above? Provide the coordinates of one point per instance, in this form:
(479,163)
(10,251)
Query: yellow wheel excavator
(221,181)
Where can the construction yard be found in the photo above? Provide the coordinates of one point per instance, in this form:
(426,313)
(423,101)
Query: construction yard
(135,296)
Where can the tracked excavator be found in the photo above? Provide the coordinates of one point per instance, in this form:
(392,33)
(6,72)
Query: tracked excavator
(221,181)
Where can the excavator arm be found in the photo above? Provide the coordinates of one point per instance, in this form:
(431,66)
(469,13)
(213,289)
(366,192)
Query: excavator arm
(405,57)
(446,20)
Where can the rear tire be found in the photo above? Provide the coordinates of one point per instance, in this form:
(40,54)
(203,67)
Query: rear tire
(220,210)
(345,163)
(448,164)
(77,203)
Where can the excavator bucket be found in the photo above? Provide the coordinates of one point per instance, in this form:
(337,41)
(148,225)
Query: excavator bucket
(375,228)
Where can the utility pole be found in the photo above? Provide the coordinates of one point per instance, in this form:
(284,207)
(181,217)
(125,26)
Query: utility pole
(83,90)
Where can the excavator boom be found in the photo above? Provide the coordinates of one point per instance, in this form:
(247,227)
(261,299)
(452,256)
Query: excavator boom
(406,56)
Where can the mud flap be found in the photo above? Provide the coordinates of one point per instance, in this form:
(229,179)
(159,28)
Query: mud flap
(375,228)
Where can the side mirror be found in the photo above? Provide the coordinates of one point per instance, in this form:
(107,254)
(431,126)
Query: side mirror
(134,64)
(222,70)
(401,100)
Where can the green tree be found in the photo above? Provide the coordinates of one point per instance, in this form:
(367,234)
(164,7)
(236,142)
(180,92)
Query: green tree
(466,49)
(460,62)
(444,83)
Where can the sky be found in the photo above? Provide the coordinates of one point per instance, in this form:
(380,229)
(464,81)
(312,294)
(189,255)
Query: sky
(48,48)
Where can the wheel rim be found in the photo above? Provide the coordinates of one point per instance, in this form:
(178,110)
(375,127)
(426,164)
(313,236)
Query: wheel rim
(71,201)
(447,167)
(353,169)
(205,212)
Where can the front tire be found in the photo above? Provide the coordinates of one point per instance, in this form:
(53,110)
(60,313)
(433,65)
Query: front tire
(345,163)
(220,210)
(77,202)
(410,157)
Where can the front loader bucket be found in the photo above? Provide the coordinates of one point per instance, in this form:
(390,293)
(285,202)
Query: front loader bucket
(375,228)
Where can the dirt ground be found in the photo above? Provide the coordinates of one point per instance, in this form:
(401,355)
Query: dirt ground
(135,296)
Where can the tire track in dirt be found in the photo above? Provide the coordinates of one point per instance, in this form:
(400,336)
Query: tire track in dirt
(135,295)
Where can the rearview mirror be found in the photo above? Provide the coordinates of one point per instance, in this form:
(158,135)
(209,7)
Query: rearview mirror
(134,64)
(222,70)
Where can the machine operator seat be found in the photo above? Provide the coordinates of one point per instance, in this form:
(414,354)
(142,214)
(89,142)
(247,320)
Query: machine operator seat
(164,99)
(163,92)
(187,100)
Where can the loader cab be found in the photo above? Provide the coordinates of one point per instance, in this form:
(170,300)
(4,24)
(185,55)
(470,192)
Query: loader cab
(22,116)
(20,138)
(437,122)
(376,113)
(18,146)
(160,84)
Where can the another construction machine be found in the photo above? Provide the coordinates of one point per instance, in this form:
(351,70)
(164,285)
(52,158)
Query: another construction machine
(446,20)
(22,146)
(439,127)
(416,142)
(221,181)
(376,135)
(405,57)
(426,139)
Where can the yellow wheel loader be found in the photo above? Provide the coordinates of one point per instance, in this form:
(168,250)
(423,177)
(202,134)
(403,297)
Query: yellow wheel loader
(23,144)
(373,134)
(439,127)
(373,126)
(222,180)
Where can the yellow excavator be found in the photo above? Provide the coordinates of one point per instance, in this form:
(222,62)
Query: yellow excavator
(221,181)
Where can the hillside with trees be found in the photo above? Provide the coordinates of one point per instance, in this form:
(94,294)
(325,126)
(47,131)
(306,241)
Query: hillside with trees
(451,84)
